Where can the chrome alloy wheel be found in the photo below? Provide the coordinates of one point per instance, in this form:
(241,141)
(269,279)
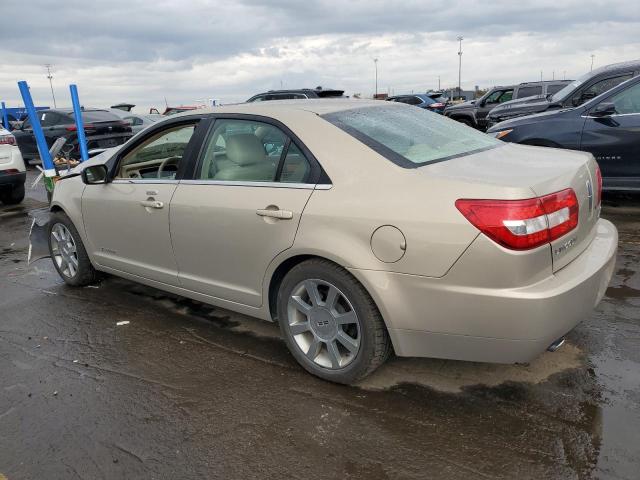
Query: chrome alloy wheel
(323,324)
(63,250)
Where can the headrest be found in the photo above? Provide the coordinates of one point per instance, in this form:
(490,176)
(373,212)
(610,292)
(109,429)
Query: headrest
(245,149)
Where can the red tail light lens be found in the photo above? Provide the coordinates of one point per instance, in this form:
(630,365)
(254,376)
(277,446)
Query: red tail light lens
(599,184)
(436,105)
(523,224)
(7,140)
(73,128)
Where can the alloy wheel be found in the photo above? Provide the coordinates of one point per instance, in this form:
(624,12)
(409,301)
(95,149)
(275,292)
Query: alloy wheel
(324,324)
(63,250)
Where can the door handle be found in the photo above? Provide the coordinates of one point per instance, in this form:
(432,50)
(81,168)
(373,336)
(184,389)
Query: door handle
(279,214)
(152,204)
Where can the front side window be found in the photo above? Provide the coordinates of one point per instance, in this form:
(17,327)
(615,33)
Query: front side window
(251,151)
(158,156)
(499,96)
(410,137)
(553,89)
(529,91)
(627,101)
(597,88)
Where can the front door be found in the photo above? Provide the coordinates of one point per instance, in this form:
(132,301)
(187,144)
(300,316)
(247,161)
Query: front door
(127,220)
(241,209)
(615,140)
(489,103)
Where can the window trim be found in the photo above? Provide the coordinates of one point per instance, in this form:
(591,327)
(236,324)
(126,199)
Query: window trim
(316,176)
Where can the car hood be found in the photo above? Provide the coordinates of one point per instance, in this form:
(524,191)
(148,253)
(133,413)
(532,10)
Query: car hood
(463,105)
(526,120)
(521,106)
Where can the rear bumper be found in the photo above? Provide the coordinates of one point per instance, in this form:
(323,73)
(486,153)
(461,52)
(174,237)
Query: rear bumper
(12,179)
(428,317)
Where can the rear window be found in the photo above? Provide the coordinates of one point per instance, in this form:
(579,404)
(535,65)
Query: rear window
(99,116)
(410,137)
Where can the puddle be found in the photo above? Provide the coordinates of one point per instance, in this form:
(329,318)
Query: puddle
(453,376)
(623,292)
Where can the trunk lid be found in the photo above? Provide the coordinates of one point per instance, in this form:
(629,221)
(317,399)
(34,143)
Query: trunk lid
(513,172)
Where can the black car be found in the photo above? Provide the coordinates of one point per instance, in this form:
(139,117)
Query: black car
(474,112)
(102,130)
(574,94)
(302,93)
(607,126)
(421,100)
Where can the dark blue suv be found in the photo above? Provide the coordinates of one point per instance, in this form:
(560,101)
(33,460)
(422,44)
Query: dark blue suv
(608,126)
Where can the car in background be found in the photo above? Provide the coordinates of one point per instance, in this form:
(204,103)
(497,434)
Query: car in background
(140,122)
(574,94)
(102,129)
(474,112)
(421,100)
(299,94)
(305,214)
(12,170)
(607,126)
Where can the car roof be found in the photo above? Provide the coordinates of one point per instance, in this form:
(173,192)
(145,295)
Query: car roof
(630,65)
(318,106)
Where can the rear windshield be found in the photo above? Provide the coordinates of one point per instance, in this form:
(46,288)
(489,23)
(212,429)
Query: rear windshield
(99,116)
(410,136)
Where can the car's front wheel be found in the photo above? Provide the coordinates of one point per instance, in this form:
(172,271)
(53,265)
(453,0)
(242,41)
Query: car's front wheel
(68,253)
(330,323)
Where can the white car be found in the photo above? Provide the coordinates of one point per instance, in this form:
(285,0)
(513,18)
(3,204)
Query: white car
(12,171)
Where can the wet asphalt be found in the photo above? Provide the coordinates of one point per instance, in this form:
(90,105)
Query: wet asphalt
(186,390)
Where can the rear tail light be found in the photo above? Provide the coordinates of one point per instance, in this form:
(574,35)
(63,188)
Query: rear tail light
(599,185)
(437,105)
(523,224)
(7,140)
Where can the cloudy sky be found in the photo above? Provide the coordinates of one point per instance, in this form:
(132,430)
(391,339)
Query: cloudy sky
(141,51)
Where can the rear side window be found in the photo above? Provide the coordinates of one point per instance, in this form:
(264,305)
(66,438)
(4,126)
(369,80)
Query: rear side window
(410,137)
(529,91)
(552,89)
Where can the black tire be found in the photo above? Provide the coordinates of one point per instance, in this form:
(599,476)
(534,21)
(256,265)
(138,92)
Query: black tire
(374,342)
(84,273)
(13,196)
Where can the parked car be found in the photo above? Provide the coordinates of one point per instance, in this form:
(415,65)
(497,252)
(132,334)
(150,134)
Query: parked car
(420,100)
(102,130)
(305,213)
(140,122)
(300,94)
(607,126)
(438,96)
(474,112)
(589,86)
(12,170)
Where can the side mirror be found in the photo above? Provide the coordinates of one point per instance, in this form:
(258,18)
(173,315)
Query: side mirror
(95,175)
(604,109)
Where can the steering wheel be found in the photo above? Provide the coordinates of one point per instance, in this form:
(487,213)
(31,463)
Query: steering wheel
(166,162)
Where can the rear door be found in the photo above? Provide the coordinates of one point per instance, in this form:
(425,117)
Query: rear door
(241,208)
(615,140)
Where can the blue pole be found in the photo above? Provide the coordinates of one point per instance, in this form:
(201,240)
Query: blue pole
(82,141)
(5,119)
(43,149)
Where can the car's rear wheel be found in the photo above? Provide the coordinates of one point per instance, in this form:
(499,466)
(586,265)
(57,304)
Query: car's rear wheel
(68,253)
(13,196)
(330,323)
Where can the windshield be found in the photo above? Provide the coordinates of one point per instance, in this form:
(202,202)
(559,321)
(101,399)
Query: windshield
(564,93)
(410,136)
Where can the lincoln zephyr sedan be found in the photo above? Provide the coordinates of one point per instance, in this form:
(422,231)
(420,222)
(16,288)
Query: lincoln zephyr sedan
(361,227)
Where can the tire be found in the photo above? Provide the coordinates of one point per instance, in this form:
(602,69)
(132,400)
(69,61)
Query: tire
(13,196)
(67,252)
(315,332)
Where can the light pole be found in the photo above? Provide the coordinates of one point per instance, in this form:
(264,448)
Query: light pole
(375,62)
(592,57)
(50,77)
(460,38)
(438,82)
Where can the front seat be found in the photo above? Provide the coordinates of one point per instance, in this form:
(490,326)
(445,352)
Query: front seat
(247,160)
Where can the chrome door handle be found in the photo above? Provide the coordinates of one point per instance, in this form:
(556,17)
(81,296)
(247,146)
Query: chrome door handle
(152,204)
(280,214)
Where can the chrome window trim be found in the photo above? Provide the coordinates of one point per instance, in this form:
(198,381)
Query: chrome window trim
(144,180)
(231,183)
(614,115)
